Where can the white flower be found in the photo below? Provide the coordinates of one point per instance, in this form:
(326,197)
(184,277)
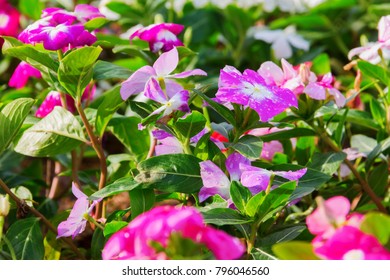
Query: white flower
(281,40)
(291,6)
(4,206)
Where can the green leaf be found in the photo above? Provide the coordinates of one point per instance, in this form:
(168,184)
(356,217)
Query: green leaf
(283,235)
(378,181)
(104,70)
(287,134)
(135,140)
(374,71)
(31,8)
(26,239)
(112,227)
(119,186)
(97,244)
(294,250)
(57,133)
(11,119)
(141,201)
(30,54)
(220,109)
(112,100)
(206,149)
(254,203)
(171,173)
(380,148)
(223,216)
(378,225)
(321,64)
(249,146)
(76,69)
(240,195)
(191,125)
(361,118)
(259,254)
(327,163)
(24,194)
(363,143)
(304,149)
(96,23)
(378,112)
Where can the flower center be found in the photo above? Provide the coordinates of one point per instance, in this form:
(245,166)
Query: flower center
(354,255)
(4,19)
(256,91)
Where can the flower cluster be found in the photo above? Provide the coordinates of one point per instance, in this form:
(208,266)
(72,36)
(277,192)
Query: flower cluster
(59,29)
(373,52)
(135,241)
(338,234)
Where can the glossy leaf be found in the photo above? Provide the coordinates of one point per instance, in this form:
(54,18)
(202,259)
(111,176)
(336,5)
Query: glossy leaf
(206,149)
(57,133)
(11,119)
(249,146)
(223,216)
(119,186)
(112,227)
(104,70)
(240,195)
(374,71)
(141,201)
(283,235)
(327,163)
(191,125)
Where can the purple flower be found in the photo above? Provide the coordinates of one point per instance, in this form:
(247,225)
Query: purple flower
(215,180)
(161,36)
(318,89)
(258,179)
(76,222)
(161,71)
(22,73)
(9,20)
(134,241)
(250,89)
(168,144)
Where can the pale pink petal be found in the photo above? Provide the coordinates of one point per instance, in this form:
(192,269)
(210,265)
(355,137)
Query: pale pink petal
(166,63)
(271,73)
(136,82)
(154,92)
(195,72)
(315,91)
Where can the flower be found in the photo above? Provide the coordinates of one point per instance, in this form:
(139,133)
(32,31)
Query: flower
(157,225)
(250,89)
(22,73)
(370,52)
(318,89)
(258,179)
(281,40)
(215,180)
(168,144)
(76,222)
(350,243)
(9,20)
(4,206)
(292,6)
(161,71)
(161,37)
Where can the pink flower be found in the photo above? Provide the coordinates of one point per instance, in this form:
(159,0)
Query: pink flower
(9,20)
(350,243)
(22,73)
(370,52)
(134,241)
(250,89)
(76,222)
(162,68)
(161,36)
(318,90)
(168,144)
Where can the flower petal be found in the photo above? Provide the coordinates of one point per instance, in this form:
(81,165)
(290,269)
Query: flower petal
(166,63)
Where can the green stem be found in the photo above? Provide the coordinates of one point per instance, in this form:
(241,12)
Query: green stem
(252,238)
(92,220)
(10,248)
(207,116)
(1,227)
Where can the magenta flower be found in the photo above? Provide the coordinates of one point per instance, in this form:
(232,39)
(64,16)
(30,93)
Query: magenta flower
(161,71)
(370,52)
(85,12)
(250,89)
(9,20)
(350,243)
(258,179)
(168,144)
(134,241)
(215,180)
(161,37)
(171,101)
(76,222)
(22,73)
(319,89)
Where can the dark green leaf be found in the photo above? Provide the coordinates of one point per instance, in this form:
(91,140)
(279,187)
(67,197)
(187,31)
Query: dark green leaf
(141,201)
(191,125)
(288,134)
(249,146)
(378,181)
(283,235)
(380,148)
(97,244)
(11,119)
(223,216)
(26,239)
(171,173)
(327,163)
(76,69)
(135,140)
(104,70)
(57,133)
(240,195)
(119,186)
(361,118)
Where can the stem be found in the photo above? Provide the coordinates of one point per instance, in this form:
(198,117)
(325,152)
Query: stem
(10,247)
(252,239)
(152,148)
(97,145)
(93,221)
(56,180)
(38,214)
(207,116)
(365,186)
(246,118)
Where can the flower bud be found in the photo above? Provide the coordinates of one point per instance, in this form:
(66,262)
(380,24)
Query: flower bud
(4,205)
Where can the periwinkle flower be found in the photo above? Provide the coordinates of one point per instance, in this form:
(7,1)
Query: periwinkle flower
(250,89)
(162,36)
(157,225)
(22,74)
(9,19)
(4,206)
